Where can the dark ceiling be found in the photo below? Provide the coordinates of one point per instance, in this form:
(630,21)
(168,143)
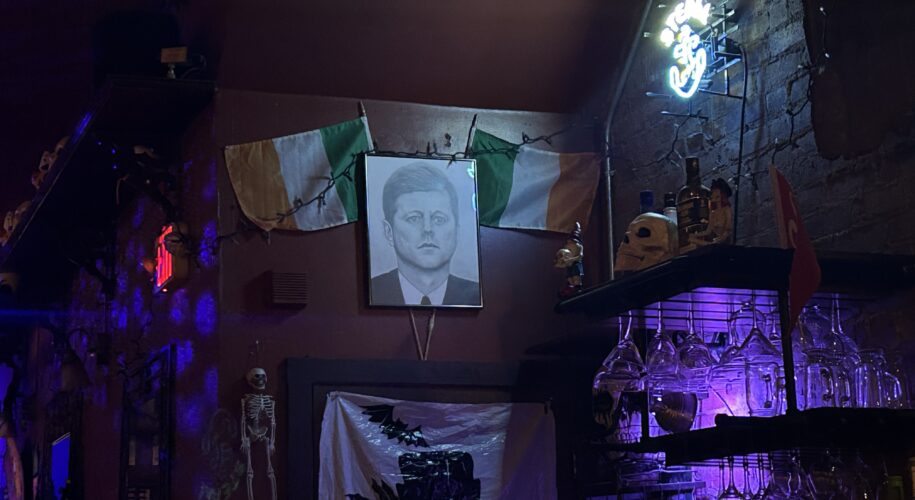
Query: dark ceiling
(539,55)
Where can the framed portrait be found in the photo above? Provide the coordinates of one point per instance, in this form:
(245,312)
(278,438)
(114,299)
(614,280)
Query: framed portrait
(423,232)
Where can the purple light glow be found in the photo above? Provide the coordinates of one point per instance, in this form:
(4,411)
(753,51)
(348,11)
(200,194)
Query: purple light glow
(205,314)
(207,256)
(209,189)
(211,383)
(121,283)
(140,214)
(81,126)
(119,315)
(137,303)
(133,254)
(180,307)
(185,356)
(190,415)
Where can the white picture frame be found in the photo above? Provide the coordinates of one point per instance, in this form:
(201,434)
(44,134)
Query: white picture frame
(428,253)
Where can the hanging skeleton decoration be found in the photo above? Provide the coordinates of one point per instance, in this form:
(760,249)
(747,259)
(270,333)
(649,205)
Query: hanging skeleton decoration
(650,239)
(258,424)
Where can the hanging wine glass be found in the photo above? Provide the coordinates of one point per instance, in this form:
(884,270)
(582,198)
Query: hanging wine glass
(746,320)
(850,348)
(695,359)
(661,360)
(731,492)
(799,485)
(817,326)
(622,369)
(621,374)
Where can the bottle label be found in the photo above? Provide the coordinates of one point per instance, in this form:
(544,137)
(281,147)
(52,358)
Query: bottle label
(692,214)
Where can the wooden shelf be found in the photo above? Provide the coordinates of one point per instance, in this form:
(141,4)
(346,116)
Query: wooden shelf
(726,269)
(865,429)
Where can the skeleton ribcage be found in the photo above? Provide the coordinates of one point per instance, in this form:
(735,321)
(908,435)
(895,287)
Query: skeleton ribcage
(259,414)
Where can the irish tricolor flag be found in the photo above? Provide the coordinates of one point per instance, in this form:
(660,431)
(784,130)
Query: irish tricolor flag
(526,188)
(272,177)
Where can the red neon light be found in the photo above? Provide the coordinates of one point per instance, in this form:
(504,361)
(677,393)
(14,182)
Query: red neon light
(164,264)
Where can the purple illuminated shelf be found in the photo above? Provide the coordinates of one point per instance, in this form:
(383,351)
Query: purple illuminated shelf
(720,275)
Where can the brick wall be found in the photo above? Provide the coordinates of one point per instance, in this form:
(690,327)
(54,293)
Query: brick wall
(863,203)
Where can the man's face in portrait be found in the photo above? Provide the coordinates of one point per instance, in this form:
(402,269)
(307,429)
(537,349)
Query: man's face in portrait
(423,229)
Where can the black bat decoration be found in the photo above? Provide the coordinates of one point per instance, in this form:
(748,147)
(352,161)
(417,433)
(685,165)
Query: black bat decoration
(384,416)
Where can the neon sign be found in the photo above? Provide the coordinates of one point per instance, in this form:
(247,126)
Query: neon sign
(690,55)
(171,262)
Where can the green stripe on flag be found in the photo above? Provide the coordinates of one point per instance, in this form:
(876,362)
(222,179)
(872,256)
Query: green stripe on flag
(494,175)
(342,142)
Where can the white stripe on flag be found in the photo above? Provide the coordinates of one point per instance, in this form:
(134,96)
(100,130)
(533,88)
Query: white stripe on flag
(533,175)
(305,169)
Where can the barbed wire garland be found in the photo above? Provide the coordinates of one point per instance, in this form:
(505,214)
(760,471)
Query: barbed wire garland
(346,172)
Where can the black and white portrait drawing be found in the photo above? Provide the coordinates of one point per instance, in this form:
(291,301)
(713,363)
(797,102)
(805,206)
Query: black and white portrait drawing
(423,232)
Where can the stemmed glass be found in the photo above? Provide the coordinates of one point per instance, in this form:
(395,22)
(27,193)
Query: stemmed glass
(731,492)
(623,369)
(799,486)
(773,491)
(661,358)
(622,372)
(760,490)
(695,360)
(746,477)
(844,353)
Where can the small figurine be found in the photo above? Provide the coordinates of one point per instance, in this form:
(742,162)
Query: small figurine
(570,257)
(720,221)
(721,215)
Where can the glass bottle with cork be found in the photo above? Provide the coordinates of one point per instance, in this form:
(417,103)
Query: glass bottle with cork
(692,205)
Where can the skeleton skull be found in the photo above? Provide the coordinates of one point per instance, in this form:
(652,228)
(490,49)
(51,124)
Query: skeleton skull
(650,239)
(13,217)
(257,378)
(48,159)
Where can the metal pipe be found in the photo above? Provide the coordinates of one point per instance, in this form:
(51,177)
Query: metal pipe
(787,352)
(605,149)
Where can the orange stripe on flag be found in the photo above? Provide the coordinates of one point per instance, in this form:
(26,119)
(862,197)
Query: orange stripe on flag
(254,169)
(573,194)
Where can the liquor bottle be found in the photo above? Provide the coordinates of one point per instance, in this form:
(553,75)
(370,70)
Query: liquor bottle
(692,204)
(646,201)
(670,207)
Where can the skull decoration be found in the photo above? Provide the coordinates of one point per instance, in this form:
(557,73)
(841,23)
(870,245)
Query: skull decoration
(257,378)
(650,239)
(12,220)
(48,159)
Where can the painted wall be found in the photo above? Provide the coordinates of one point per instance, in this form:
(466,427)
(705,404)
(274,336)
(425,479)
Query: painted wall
(141,323)
(518,281)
